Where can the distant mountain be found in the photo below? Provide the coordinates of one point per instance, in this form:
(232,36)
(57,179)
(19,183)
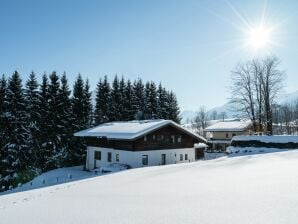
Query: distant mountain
(227,108)
(289,98)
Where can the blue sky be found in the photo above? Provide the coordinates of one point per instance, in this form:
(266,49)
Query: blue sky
(190,46)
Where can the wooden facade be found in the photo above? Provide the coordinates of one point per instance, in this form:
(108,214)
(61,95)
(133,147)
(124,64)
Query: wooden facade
(167,137)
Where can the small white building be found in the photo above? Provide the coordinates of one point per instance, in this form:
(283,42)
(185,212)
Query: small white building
(221,133)
(139,143)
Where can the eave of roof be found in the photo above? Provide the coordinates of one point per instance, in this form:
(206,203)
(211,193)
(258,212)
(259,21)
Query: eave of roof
(131,137)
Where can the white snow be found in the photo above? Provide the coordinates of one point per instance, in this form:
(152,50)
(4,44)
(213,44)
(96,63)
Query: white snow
(229,126)
(247,189)
(268,138)
(129,130)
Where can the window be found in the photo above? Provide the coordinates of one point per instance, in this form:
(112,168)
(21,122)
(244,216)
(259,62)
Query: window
(109,157)
(227,135)
(162,137)
(181,157)
(145,138)
(145,160)
(173,138)
(153,137)
(179,139)
(97,155)
(117,157)
(186,156)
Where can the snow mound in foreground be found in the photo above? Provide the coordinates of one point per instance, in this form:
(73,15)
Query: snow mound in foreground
(248,189)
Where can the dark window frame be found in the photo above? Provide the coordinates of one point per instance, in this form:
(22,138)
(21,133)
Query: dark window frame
(145,160)
(109,157)
(97,155)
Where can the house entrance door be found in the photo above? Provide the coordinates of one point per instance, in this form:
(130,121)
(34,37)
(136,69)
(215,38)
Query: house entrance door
(163,159)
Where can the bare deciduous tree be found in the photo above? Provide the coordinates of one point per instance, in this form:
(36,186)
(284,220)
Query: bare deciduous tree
(255,88)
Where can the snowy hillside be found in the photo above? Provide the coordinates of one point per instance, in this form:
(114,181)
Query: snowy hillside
(246,189)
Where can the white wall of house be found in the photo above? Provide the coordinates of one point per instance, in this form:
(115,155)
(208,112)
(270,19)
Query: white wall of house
(134,159)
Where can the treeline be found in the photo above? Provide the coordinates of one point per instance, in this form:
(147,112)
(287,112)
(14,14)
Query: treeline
(37,120)
(285,119)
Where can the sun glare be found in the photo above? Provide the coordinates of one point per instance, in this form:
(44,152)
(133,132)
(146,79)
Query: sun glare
(259,37)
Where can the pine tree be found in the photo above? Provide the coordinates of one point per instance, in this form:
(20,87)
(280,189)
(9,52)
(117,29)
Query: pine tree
(78,104)
(122,101)
(33,114)
(102,108)
(45,146)
(15,135)
(128,109)
(174,111)
(65,122)
(150,111)
(138,102)
(54,127)
(87,102)
(3,87)
(162,111)
(115,101)
(81,109)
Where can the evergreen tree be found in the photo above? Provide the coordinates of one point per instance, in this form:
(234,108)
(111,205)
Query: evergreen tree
(33,113)
(88,116)
(78,104)
(15,151)
(150,111)
(115,101)
(162,111)
(3,87)
(102,108)
(81,108)
(174,111)
(65,123)
(122,104)
(45,146)
(128,109)
(54,126)
(138,102)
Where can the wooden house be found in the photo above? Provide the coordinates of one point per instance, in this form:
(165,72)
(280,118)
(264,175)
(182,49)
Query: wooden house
(139,143)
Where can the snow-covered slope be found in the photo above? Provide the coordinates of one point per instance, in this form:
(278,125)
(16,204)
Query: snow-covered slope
(248,189)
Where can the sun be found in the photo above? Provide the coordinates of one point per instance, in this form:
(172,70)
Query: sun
(259,37)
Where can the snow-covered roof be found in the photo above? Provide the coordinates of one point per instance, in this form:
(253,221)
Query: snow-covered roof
(268,139)
(229,126)
(200,145)
(130,130)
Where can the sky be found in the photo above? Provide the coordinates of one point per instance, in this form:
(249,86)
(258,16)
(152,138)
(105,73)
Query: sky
(189,46)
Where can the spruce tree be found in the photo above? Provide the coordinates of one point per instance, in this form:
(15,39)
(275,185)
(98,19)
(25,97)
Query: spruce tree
(115,101)
(15,134)
(45,146)
(102,112)
(87,102)
(122,104)
(64,157)
(33,114)
(128,103)
(173,108)
(162,111)
(78,104)
(138,99)
(54,126)
(3,87)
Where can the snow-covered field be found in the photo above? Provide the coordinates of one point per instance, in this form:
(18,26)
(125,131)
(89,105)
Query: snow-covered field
(259,188)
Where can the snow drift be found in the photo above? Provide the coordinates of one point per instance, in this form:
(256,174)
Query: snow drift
(248,189)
